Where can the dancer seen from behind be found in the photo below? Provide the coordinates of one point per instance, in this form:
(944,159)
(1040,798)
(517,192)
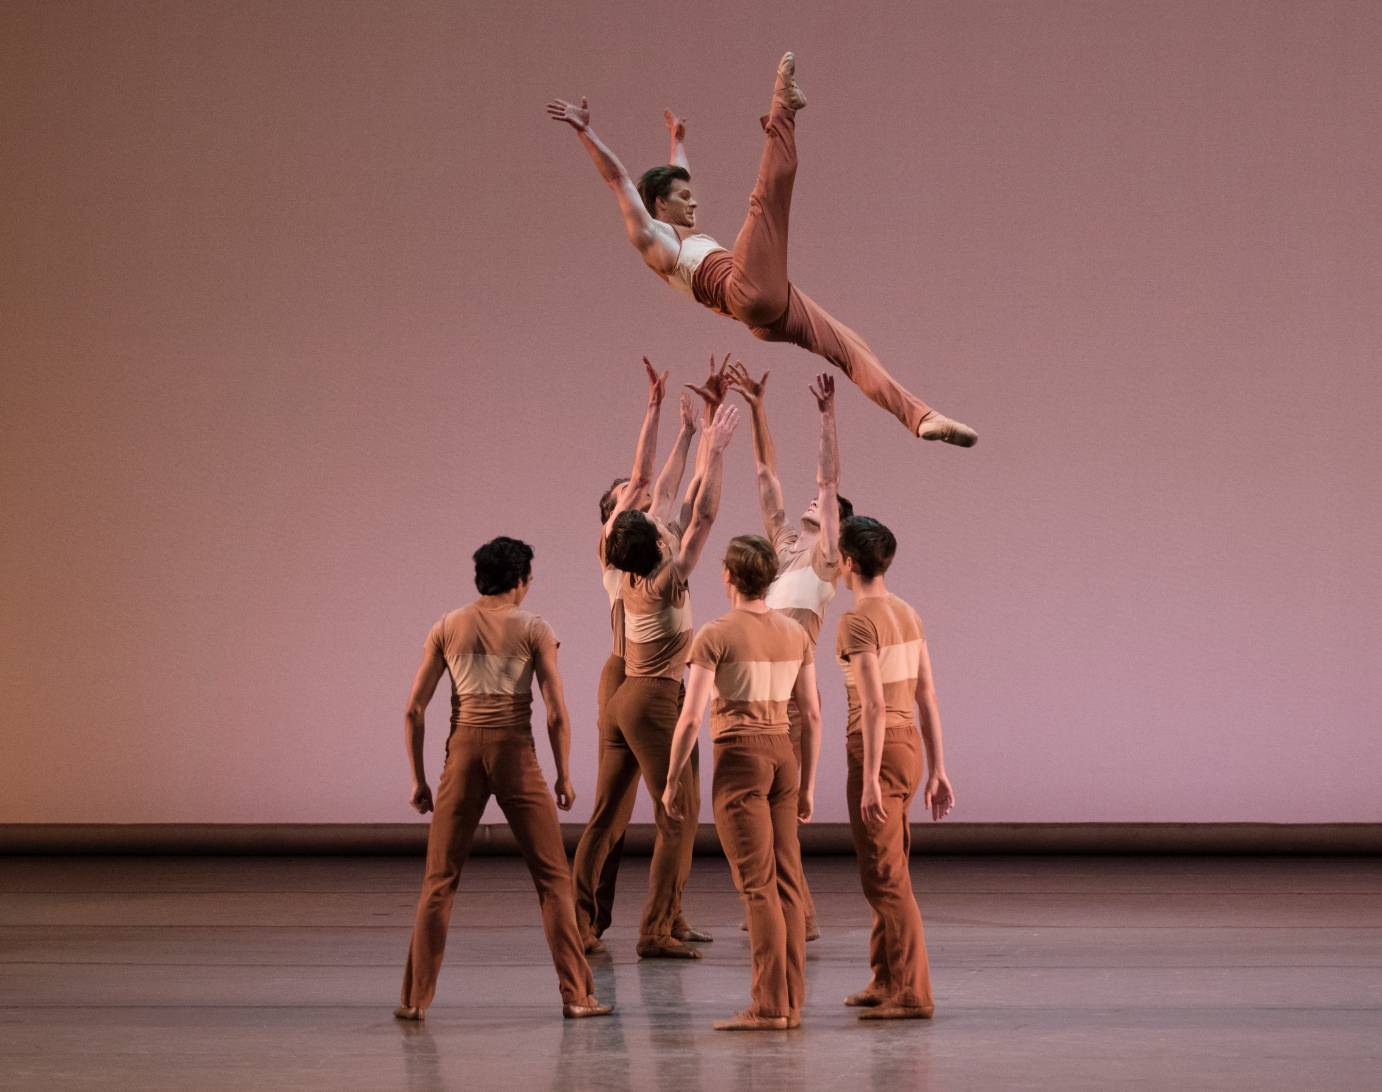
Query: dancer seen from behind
(748,281)
(492,649)
(881,644)
(752,661)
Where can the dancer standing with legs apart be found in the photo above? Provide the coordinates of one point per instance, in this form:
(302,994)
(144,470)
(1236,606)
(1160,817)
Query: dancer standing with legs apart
(755,659)
(616,783)
(748,282)
(492,650)
(642,713)
(808,558)
(882,647)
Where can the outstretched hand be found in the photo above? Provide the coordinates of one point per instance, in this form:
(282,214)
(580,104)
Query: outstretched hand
(824,390)
(676,126)
(578,117)
(688,412)
(741,381)
(722,427)
(716,384)
(657,384)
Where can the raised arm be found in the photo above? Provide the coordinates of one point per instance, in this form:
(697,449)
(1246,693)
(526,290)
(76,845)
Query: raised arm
(939,796)
(827,475)
(712,394)
(669,478)
(655,241)
(429,673)
(698,686)
(558,721)
(634,492)
(703,512)
(808,700)
(676,137)
(764,454)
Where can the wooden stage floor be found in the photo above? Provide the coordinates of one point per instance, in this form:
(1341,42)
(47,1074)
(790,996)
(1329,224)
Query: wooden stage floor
(1098,973)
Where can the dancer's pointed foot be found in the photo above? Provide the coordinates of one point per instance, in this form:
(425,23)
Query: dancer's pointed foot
(786,90)
(866,998)
(689,935)
(670,948)
(748,1021)
(589,1007)
(893,1011)
(937,426)
(594,946)
(409,1012)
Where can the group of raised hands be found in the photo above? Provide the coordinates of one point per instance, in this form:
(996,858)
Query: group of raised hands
(720,380)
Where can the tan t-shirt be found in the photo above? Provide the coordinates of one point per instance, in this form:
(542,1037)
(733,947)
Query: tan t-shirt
(612,579)
(891,630)
(657,623)
(755,658)
(803,586)
(489,653)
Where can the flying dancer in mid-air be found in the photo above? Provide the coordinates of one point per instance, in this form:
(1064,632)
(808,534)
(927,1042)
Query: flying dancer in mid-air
(748,282)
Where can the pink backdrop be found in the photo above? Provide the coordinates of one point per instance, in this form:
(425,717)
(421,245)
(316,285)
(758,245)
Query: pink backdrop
(303,301)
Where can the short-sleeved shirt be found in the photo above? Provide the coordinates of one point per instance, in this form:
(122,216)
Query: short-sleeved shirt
(489,653)
(892,631)
(803,585)
(756,657)
(612,579)
(657,622)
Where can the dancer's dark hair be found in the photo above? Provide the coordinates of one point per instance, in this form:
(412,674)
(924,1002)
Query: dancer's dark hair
(846,507)
(657,182)
(751,564)
(609,499)
(501,564)
(868,544)
(632,544)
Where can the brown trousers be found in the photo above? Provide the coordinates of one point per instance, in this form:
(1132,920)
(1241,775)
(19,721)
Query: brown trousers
(758,293)
(755,795)
(640,717)
(897,945)
(481,763)
(808,904)
(613,805)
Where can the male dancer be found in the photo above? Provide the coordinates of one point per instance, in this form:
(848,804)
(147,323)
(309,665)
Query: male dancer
(882,647)
(594,889)
(749,282)
(643,712)
(492,649)
(808,556)
(755,659)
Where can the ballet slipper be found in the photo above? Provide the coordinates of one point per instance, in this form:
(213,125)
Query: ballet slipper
(786,93)
(409,1012)
(686,933)
(936,426)
(589,1007)
(866,998)
(670,948)
(891,1010)
(747,1020)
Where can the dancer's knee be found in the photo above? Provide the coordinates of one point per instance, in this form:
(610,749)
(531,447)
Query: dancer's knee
(759,310)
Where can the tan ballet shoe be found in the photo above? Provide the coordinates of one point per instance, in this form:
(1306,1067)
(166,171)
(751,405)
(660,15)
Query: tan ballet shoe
(591,1007)
(936,426)
(686,934)
(813,932)
(786,90)
(748,1021)
(891,1010)
(865,999)
(409,1012)
(594,946)
(671,948)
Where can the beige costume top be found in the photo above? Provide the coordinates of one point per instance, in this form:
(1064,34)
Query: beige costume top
(891,630)
(756,658)
(803,586)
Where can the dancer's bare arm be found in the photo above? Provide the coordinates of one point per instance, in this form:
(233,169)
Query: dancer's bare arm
(712,394)
(698,685)
(707,505)
(673,470)
(558,722)
(827,477)
(676,136)
(634,492)
(868,676)
(764,453)
(809,702)
(654,240)
(429,673)
(939,796)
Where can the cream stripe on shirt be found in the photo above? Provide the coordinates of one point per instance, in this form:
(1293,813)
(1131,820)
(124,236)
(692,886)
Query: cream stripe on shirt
(756,680)
(477,675)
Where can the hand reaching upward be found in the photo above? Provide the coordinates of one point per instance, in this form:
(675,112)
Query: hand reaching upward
(657,384)
(578,117)
(824,391)
(722,427)
(741,381)
(688,412)
(716,384)
(676,126)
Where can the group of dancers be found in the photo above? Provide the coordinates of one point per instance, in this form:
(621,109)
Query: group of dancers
(755,665)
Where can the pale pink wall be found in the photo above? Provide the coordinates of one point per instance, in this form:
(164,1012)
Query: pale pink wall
(302,301)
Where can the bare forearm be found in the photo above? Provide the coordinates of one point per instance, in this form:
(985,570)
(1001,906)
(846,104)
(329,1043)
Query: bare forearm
(641,476)
(676,154)
(810,751)
(763,450)
(929,715)
(683,742)
(606,162)
(414,730)
(828,464)
(872,729)
(559,735)
(669,479)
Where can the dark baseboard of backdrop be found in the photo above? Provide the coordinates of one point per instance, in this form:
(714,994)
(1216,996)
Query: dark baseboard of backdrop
(495,839)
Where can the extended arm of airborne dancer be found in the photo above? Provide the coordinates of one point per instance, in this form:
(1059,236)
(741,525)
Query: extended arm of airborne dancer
(716,438)
(764,453)
(827,476)
(655,241)
(558,722)
(676,136)
(429,673)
